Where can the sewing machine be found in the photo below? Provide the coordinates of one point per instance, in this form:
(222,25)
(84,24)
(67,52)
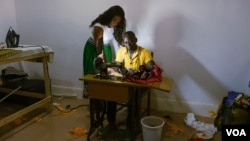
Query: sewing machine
(102,68)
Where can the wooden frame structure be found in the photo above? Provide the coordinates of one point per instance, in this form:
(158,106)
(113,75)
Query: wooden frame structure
(45,99)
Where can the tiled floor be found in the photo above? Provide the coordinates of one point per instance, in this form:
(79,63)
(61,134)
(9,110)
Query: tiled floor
(59,126)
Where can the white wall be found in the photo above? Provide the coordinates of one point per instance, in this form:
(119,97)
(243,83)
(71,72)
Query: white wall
(7,16)
(7,19)
(202,45)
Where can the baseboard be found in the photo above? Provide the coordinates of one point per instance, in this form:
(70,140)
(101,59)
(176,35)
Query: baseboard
(159,104)
(67,91)
(202,109)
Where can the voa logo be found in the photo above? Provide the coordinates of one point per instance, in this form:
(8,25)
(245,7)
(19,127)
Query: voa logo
(236,132)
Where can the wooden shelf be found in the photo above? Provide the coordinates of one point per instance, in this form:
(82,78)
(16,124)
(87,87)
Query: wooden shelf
(45,99)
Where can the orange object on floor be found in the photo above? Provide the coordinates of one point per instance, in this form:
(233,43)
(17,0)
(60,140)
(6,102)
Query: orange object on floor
(196,138)
(173,126)
(78,131)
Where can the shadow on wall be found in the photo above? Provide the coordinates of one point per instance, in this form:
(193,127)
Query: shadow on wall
(161,29)
(190,76)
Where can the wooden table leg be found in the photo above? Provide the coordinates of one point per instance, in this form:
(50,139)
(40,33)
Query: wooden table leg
(97,113)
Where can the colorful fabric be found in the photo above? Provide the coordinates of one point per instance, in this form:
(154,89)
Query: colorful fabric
(89,54)
(155,76)
(107,52)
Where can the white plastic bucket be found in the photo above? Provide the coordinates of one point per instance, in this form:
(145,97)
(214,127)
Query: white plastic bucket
(152,128)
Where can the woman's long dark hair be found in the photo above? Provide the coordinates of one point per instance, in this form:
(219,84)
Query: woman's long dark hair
(106,17)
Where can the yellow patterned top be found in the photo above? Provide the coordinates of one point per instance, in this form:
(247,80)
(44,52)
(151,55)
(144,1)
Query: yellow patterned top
(8,52)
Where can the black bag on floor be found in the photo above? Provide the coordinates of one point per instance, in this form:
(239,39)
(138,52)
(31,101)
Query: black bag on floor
(233,111)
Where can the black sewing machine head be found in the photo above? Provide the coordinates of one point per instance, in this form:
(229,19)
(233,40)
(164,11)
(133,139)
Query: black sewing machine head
(102,67)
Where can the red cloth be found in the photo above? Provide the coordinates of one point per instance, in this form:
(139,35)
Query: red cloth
(155,77)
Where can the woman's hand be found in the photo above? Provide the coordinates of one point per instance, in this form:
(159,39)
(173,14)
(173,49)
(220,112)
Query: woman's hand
(101,56)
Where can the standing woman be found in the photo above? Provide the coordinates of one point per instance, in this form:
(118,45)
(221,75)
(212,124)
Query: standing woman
(106,27)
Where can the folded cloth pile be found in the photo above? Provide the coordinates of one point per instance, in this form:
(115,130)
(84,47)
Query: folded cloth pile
(205,130)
